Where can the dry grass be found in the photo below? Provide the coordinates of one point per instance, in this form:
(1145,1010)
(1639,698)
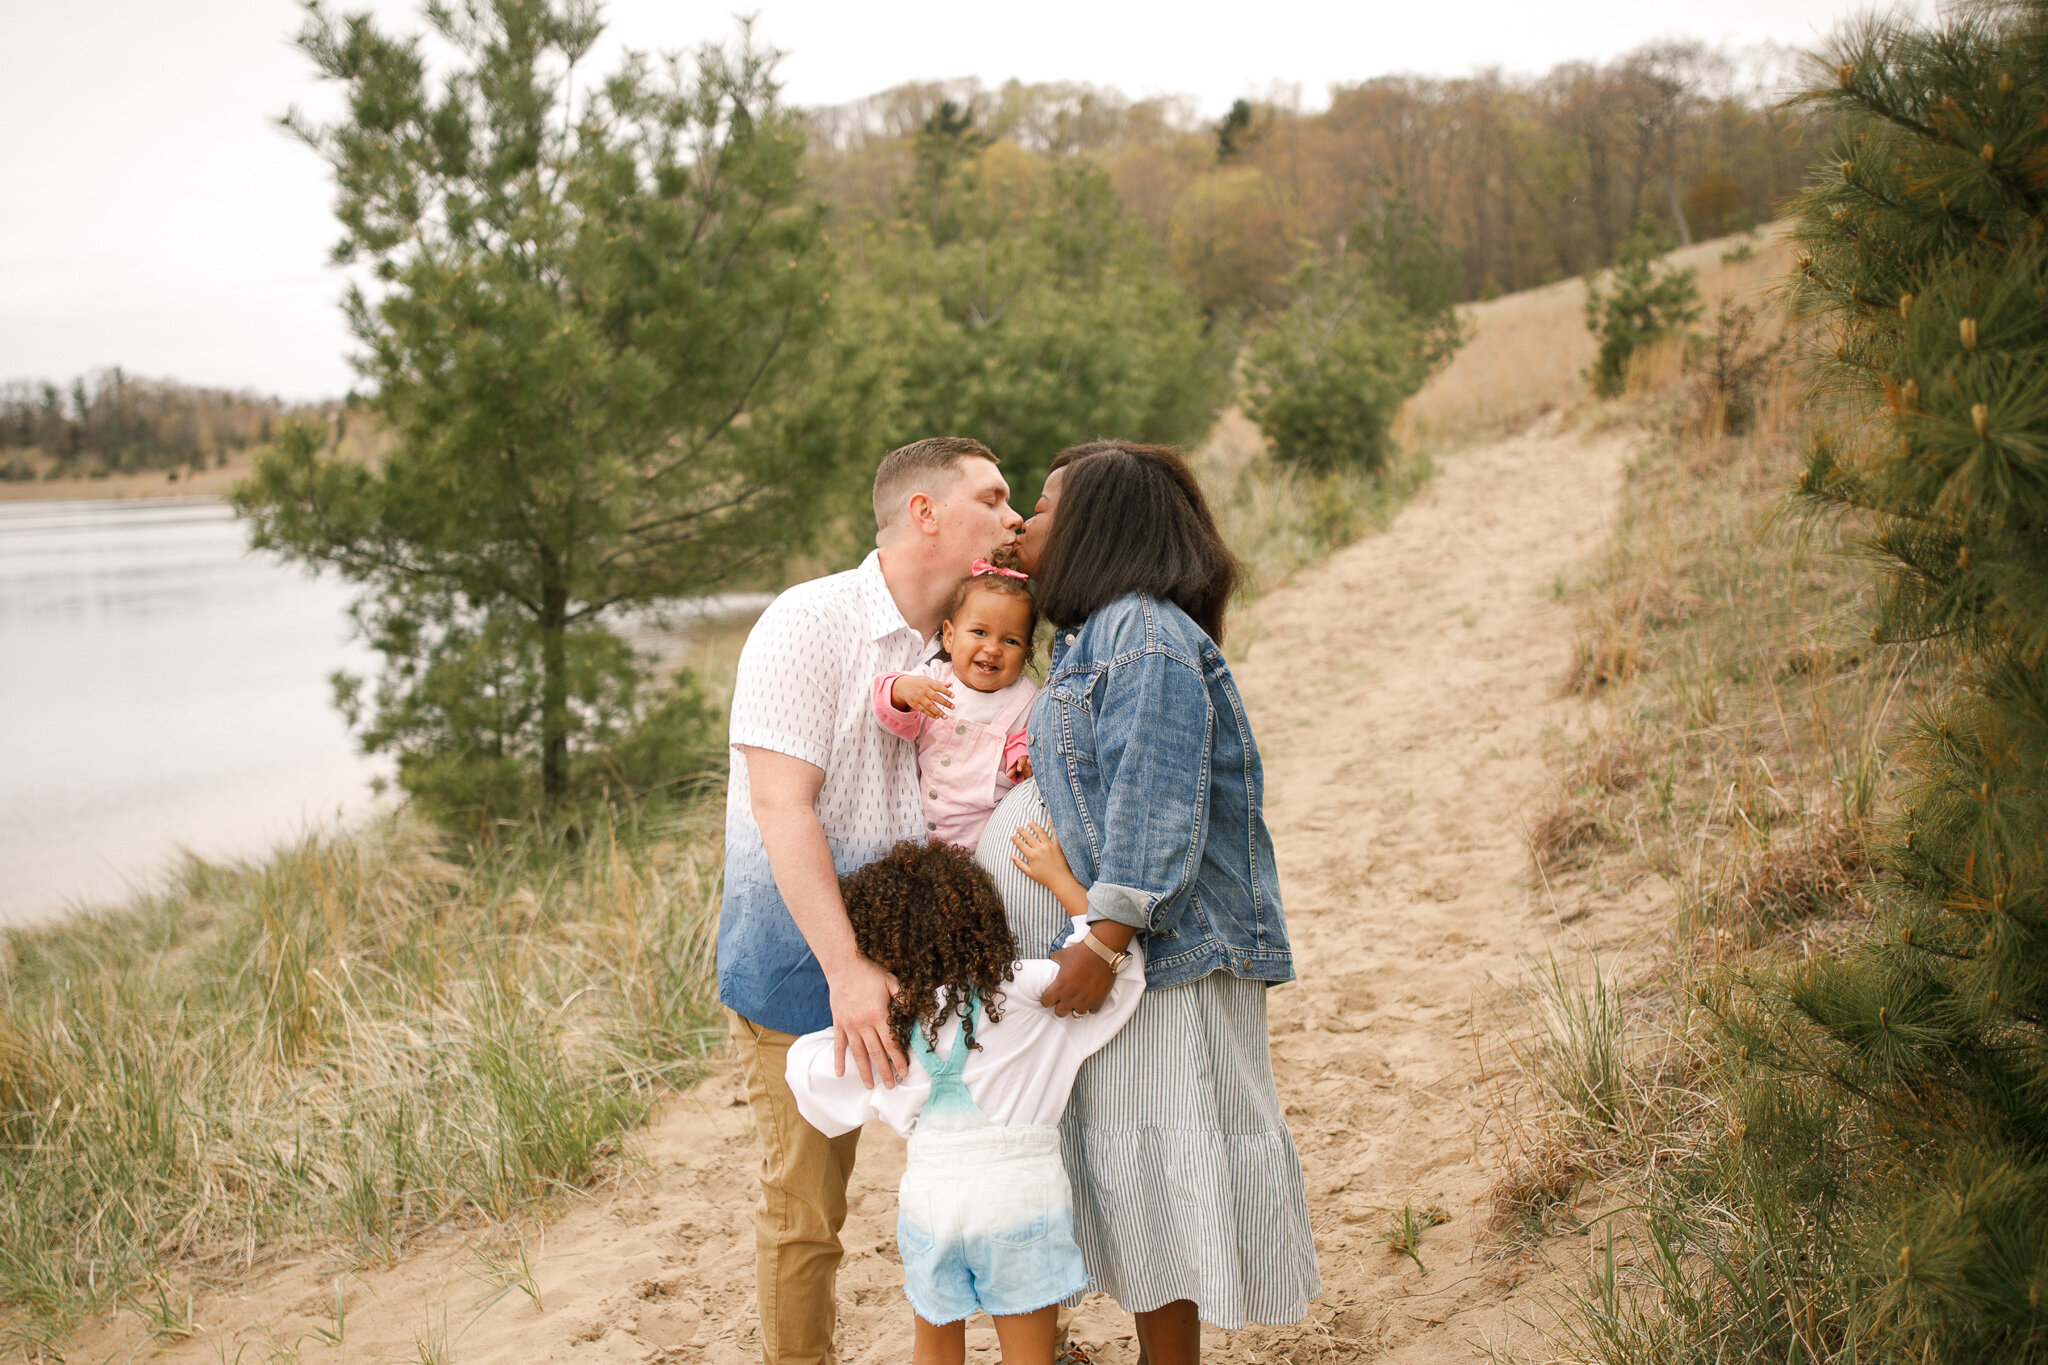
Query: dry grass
(1280,519)
(1539,1182)
(1746,715)
(1820,870)
(1527,352)
(330,1050)
(1741,752)
(1567,838)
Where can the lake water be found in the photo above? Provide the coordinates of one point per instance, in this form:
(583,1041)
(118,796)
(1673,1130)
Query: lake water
(163,688)
(160,687)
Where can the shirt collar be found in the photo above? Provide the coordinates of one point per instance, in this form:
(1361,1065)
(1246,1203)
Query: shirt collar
(884,617)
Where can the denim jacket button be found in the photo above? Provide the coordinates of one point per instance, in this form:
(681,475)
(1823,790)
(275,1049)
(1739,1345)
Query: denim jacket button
(1070,637)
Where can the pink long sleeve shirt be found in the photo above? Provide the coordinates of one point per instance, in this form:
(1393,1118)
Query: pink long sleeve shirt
(963,761)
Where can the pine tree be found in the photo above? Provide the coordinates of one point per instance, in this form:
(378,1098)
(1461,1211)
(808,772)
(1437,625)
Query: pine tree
(1642,302)
(1234,131)
(1923,262)
(598,336)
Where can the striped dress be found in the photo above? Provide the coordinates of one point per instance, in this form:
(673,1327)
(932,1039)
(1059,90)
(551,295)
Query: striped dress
(1186,1181)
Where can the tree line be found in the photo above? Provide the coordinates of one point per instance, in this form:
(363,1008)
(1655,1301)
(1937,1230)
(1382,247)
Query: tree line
(113,423)
(1529,179)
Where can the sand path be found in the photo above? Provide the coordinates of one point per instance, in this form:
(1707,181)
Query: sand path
(1402,693)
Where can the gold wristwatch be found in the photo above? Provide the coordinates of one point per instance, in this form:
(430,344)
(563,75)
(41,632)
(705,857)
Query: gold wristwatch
(1115,959)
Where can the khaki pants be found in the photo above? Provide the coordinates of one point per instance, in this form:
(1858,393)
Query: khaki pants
(802,1206)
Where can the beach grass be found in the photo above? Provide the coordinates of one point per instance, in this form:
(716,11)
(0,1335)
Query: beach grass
(356,1038)
(1280,519)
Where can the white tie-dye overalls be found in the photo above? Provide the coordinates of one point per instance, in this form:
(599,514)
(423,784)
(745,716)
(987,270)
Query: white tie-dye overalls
(985,1218)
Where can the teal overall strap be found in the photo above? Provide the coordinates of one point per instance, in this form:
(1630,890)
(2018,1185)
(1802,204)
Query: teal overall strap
(947,1077)
(949,1107)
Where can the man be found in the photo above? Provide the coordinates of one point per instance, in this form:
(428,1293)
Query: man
(817,790)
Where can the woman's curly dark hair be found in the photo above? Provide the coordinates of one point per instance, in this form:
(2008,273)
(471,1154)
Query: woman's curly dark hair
(931,916)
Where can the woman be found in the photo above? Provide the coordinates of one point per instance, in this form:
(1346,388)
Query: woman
(1188,1200)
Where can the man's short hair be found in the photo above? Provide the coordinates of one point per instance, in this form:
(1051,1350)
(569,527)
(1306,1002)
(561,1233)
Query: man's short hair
(918,468)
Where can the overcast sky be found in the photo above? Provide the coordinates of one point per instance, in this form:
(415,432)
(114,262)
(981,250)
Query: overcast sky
(152,215)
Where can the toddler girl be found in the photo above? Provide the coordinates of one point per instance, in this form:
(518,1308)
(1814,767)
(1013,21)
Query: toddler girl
(985,1215)
(970,741)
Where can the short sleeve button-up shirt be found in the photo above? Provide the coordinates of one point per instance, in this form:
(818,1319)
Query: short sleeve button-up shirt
(804,689)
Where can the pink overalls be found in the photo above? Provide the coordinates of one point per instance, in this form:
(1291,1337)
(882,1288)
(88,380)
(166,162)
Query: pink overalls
(962,764)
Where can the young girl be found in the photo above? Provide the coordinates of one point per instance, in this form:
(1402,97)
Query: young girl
(985,1216)
(970,743)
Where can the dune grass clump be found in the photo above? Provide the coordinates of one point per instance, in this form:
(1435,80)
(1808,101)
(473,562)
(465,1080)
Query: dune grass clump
(357,1038)
(1403,1235)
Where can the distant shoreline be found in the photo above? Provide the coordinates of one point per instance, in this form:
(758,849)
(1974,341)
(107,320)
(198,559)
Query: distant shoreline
(152,483)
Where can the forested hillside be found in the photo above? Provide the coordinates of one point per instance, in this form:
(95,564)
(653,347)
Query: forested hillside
(1529,179)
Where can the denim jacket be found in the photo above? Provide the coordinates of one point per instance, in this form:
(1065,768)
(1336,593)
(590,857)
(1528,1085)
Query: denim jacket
(1148,769)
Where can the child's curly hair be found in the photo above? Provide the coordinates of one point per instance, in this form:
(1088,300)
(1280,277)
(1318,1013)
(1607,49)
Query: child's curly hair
(931,916)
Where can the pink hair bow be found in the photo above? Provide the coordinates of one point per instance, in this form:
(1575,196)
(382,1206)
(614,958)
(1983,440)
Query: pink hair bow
(982,566)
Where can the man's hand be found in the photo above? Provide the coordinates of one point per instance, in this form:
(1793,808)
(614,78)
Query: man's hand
(927,696)
(1021,769)
(1082,985)
(861,992)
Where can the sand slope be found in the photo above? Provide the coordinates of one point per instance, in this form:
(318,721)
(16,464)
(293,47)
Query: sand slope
(1402,692)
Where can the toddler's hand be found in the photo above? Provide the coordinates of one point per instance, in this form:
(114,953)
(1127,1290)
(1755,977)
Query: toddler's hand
(1021,769)
(1038,857)
(926,696)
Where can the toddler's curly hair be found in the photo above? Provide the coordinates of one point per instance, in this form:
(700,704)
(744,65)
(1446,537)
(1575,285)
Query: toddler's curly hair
(931,916)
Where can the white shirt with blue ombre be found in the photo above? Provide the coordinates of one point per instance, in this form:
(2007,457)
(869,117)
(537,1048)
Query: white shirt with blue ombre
(985,1216)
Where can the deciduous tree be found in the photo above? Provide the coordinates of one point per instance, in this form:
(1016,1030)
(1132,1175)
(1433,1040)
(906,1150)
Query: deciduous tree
(1040,315)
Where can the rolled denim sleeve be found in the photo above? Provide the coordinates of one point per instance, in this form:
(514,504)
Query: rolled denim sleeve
(1153,725)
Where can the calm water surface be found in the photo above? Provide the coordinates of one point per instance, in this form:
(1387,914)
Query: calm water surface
(160,687)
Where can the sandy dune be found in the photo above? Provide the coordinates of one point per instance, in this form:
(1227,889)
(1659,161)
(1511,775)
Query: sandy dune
(1403,693)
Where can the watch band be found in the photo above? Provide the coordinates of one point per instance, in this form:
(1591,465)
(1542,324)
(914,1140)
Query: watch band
(1115,959)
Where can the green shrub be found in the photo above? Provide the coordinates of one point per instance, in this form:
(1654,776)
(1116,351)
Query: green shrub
(1363,331)
(1331,371)
(1643,301)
